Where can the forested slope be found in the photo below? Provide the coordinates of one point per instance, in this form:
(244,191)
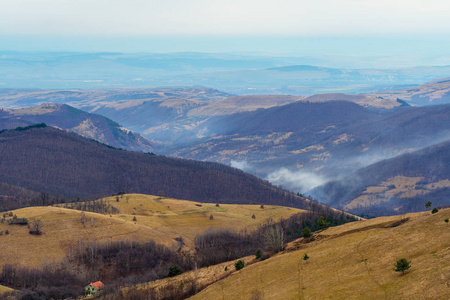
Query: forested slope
(61,163)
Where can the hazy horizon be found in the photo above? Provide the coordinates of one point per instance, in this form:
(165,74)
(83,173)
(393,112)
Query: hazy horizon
(416,29)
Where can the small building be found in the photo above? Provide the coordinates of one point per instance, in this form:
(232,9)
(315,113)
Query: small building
(93,288)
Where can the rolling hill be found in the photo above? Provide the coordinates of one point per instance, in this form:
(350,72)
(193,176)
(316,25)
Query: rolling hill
(430,93)
(394,186)
(69,118)
(363,100)
(158,219)
(45,159)
(90,98)
(351,261)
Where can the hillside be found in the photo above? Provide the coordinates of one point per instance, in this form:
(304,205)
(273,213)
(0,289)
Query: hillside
(352,261)
(322,141)
(363,100)
(20,98)
(238,104)
(69,118)
(431,93)
(175,119)
(159,219)
(65,164)
(394,186)
(4,289)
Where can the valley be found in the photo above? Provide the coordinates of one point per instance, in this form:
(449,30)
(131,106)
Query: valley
(317,192)
(298,143)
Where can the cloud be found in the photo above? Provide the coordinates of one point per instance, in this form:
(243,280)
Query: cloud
(241,164)
(297,181)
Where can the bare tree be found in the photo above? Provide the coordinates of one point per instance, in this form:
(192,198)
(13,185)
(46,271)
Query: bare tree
(36,227)
(83,219)
(274,238)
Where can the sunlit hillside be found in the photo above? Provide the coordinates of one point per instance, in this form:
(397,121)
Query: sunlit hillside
(352,261)
(159,219)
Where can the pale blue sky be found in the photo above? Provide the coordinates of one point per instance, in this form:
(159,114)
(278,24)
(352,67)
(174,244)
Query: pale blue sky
(354,27)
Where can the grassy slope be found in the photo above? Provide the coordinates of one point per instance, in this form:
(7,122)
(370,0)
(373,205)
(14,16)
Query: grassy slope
(353,261)
(159,219)
(5,289)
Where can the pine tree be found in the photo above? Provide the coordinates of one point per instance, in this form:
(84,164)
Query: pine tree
(402,265)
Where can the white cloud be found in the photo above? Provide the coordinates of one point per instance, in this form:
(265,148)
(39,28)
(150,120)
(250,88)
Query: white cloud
(241,164)
(298,181)
(224,17)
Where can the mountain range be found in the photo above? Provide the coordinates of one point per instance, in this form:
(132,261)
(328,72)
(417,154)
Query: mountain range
(296,142)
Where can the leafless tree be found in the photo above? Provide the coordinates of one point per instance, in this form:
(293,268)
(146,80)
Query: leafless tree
(274,238)
(36,227)
(83,219)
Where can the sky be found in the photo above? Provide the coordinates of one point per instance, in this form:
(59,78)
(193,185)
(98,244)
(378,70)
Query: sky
(284,26)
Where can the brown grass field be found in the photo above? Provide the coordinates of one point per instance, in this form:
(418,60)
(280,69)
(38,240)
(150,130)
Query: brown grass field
(159,219)
(352,261)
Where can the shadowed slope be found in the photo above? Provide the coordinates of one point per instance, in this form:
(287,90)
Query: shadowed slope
(57,162)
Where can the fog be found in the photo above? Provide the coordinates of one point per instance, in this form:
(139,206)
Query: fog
(297,181)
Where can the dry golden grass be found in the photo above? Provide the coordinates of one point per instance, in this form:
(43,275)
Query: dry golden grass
(204,276)
(5,289)
(398,186)
(159,219)
(172,218)
(62,228)
(353,261)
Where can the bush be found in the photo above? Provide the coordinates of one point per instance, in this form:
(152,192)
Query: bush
(253,216)
(446,221)
(323,223)
(17,221)
(174,271)
(211,217)
(134,219)
(258,253)
(239,265)
(307,232)
(305,257)
(435,210)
